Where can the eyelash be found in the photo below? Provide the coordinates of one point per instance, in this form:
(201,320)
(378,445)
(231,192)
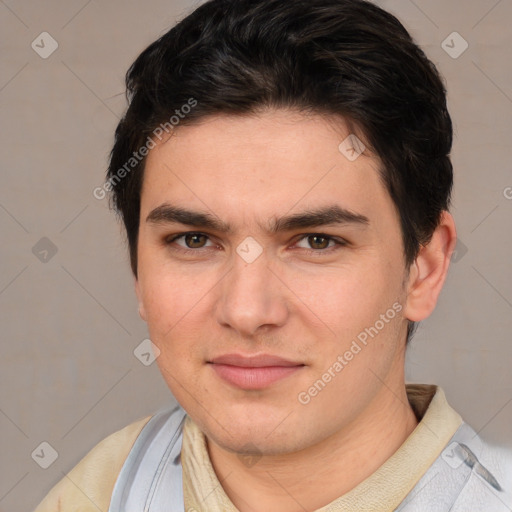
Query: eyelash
(337,241)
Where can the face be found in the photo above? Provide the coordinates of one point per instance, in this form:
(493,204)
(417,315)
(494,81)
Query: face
(271,275)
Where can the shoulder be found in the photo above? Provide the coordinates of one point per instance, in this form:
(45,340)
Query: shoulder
(498,460)
(470,473)
(484,469)
(489,484)
(89,485)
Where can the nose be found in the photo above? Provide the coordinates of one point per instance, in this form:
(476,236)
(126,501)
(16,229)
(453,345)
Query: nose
(252,298)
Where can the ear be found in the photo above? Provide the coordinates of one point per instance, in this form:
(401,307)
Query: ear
(428,272)
(138,292)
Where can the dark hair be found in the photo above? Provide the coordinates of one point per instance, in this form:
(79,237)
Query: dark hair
(338,57)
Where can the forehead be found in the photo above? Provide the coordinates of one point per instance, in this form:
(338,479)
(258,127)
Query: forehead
(253,167)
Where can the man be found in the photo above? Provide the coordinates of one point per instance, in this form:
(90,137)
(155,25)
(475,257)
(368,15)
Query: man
(284,178)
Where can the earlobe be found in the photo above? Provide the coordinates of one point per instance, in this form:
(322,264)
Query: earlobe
(428,272)
(138,292)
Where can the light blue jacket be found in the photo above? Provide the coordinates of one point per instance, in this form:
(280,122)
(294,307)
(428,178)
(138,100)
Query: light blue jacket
(469,475)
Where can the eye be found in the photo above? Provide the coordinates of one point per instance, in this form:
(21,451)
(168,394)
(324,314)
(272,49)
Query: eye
(318,242)
(190,240)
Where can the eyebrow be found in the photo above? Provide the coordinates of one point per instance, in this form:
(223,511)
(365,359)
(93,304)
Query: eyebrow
(332,214)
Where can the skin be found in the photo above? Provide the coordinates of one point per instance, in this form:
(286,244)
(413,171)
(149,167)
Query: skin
(302,299)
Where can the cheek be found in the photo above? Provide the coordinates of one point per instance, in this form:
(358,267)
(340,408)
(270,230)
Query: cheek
(347,300)
(162,306)
(173,298)
(176,319)
(361,325)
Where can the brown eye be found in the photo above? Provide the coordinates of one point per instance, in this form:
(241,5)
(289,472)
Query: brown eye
(190,241)
(195,240)
(318,241)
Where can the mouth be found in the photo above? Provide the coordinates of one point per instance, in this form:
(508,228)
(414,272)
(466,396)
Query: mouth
(253,372)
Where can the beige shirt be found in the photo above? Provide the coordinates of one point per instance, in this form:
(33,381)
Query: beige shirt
(382,491)
(88,487)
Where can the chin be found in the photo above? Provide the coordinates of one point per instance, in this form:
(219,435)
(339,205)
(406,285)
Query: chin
(256,437)
(244,444)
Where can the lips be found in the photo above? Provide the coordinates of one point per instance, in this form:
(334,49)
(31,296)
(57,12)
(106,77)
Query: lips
(254,361)
(254,371)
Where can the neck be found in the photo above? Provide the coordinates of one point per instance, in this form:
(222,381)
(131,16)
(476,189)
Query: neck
(316,476)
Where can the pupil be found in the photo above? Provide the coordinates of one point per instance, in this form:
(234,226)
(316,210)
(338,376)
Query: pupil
(194,240)
(314,240)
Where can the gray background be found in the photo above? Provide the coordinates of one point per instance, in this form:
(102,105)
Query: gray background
(69,320)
